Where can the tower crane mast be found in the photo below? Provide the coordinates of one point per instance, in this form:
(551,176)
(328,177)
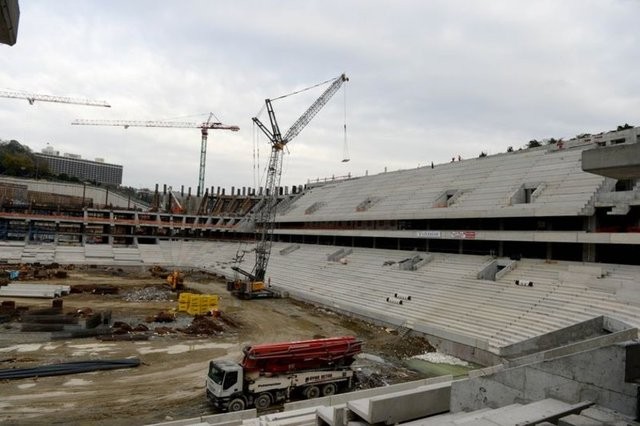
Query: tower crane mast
(204,131)
(32,97)
(267,211)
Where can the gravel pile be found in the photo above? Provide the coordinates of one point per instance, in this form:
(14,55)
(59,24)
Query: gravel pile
(147,294)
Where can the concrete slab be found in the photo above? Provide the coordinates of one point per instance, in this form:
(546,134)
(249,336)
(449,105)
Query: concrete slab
(578,420)
(404,406)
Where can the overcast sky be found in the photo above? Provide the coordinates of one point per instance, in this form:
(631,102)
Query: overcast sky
(429,80)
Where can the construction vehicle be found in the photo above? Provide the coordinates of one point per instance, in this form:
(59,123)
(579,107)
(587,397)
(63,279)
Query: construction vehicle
(175,279)
(253,286)
(277,372)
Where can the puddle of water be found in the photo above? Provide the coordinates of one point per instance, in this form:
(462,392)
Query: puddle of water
(439,358)
(371,357)
(435,364)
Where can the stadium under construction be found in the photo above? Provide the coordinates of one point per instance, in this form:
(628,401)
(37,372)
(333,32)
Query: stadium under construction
(526,261)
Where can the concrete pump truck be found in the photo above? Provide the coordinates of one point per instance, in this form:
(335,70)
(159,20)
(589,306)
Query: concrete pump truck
(277,372)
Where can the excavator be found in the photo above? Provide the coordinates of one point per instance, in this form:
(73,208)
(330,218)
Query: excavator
(175,279)
(253,284)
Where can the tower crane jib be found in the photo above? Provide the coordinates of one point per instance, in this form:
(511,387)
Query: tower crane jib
(204,130)
(32,97)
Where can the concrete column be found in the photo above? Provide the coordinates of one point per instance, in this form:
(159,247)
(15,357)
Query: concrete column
(500,248)
(460,247)
(588,252)
(549,255)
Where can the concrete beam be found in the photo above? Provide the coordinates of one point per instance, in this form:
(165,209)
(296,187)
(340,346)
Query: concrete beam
(617,161)
(403,406)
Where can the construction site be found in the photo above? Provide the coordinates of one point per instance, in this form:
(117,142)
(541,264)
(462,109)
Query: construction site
(450,313)
(172,347)
(497,290)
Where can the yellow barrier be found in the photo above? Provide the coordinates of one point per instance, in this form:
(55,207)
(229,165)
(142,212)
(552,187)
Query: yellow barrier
(197,304)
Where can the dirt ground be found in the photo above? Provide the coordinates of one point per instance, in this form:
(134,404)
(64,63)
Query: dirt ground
(169,383)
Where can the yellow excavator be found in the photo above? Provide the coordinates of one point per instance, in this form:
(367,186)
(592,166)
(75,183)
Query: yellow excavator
(175,280)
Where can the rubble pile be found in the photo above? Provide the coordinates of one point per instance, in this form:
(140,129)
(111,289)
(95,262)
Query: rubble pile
(147,294)
(203,326)
(35,271)
(164,330)
(9,311)
(162,316)
(159,271)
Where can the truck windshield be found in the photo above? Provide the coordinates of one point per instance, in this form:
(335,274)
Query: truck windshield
(216,374)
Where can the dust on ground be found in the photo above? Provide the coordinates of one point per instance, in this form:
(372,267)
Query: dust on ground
(169,383)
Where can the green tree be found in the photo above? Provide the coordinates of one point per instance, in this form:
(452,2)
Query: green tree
(16,159)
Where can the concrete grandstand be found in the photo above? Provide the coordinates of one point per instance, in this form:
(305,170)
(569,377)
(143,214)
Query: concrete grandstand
(494,259)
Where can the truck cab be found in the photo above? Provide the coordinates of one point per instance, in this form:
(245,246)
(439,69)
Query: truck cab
(224,385)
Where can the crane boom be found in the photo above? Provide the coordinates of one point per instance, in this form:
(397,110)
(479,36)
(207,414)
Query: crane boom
(204,129)
(32,97)
(267,212)
(305,118)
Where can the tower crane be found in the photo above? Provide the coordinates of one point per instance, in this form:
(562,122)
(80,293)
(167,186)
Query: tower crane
(254,286)
(204,130)
(32,97)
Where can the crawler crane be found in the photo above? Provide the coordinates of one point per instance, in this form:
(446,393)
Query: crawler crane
(254,286)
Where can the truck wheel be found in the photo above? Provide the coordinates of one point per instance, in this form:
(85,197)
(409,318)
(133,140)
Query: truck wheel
(329,389)
(263,401)
(312,392)
(236,404)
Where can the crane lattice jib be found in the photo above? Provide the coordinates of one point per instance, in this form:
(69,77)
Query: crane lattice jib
(304,119)
(32,97)
(133,123)
(267,213)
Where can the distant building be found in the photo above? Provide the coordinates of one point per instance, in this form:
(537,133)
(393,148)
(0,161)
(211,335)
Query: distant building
(74,165)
